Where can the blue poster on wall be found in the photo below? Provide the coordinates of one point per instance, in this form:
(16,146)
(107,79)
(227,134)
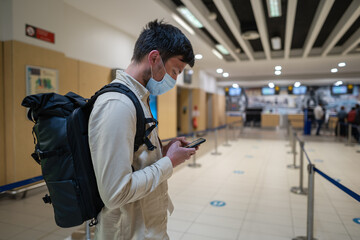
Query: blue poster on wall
(153,106)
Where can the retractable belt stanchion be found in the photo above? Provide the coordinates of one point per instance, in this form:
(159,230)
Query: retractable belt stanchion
(226,144)
(349,136)
(194,164)
(216,144)
(293,166)
(300,190)
(87,231)
(310,208)
(338,131)
(291,140)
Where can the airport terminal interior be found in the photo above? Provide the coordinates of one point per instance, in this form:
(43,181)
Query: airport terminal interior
(272,166)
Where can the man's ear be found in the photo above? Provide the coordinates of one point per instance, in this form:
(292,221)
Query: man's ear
(152,57)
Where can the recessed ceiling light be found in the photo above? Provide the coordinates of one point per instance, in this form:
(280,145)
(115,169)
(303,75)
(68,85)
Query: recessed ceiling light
(297,84)
(342,64)
(225,74)
(334,70)
(278,68)
(271,85)
(183,24)
(338,83)
(198,56)
(235,85)
(222,49)
(189,16)
(216,53)
(219,70)
(274,8)
(277,72)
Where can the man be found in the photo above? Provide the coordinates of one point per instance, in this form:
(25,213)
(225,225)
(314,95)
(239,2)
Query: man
(319,114)
(341,119)
(136,200)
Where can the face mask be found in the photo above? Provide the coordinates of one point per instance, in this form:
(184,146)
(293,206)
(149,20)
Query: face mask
(161,87)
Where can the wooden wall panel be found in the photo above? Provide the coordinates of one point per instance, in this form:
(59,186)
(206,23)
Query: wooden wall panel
(70,77)
(2,120)
(184,110)
(92,77)
(167,110)
(199,100)
(23,54)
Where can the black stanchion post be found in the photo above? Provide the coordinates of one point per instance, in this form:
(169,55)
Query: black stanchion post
(338,131)
(216,144)
(226,144)
(310,208)
(300,190)
(194,164)
(293,166)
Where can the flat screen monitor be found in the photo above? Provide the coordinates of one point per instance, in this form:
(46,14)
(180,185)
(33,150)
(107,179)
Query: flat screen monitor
(267,91)
(234,91)
(339,89)
(188,76)
(299,90)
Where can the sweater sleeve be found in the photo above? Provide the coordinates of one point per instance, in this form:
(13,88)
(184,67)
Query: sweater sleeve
(112,128)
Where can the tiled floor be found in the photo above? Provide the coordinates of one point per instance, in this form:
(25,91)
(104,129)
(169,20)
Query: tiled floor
(251,178)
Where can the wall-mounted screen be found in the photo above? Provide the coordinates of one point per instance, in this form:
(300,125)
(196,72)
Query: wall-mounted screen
(234,91)
(299,90)
(267,91)
(188,76)
(339,90)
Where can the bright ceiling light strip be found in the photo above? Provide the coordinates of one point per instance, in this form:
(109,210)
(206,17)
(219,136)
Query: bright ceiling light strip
(222,49)
(183,24)
(274,8)
(216,53)
(189,16)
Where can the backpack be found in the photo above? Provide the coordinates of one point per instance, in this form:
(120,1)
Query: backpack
(62,149)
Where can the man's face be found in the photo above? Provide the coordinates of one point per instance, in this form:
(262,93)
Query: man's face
(173,66)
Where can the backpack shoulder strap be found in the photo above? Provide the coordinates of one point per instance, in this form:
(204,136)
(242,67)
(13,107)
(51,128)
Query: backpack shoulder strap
(142,133)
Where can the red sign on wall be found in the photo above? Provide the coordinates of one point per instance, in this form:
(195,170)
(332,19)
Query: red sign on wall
(39,33)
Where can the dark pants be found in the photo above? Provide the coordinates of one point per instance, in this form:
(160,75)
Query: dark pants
(319,123)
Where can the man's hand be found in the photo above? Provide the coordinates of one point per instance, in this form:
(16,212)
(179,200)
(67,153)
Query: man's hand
(178,154)
(182,141)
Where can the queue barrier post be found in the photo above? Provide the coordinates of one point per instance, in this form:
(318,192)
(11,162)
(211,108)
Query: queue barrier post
(338,130)
(300,190)
(226,144)
(216,144)
(291,140)
(194,164)
(293,166)
(310,206)
(349,136)
(87,231)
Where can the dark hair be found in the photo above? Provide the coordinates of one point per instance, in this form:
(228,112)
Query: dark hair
(165,38)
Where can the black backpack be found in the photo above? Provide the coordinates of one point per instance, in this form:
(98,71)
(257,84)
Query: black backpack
(62,149)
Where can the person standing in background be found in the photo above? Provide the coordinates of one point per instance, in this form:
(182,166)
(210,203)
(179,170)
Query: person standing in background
(341,119)
(319,114)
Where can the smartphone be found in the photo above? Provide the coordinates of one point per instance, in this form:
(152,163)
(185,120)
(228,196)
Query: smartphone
(196,143)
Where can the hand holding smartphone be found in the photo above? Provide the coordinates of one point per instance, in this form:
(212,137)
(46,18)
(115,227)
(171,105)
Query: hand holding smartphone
(196,143)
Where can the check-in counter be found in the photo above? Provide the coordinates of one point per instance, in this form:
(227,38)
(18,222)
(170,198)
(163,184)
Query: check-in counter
(230,119)
(296,120)
(270,120)
(332,122)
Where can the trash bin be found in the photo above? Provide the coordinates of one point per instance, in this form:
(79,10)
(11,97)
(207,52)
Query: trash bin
(307,127)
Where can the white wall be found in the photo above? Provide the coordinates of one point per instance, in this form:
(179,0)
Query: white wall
(77,34)
(6,23)
(91,40)
(208,83)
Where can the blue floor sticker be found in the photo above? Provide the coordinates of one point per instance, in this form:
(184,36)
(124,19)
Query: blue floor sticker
(218,203)
(338,180)
(318,160)
(239,172)
(356,220)
(249,156)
